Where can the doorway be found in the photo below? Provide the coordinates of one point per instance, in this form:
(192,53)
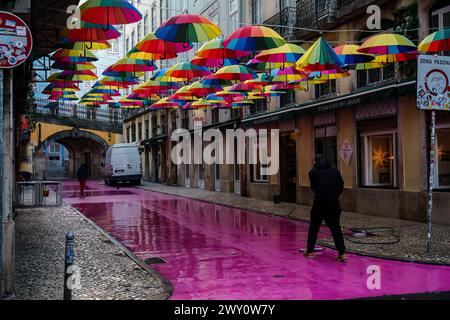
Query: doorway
(326,143)
(288,168)
(87,162)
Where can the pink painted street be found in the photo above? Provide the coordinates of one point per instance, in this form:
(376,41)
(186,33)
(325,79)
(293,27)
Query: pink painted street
(217,252)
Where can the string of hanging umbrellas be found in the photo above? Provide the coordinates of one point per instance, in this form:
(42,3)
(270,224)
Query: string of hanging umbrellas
(254,62)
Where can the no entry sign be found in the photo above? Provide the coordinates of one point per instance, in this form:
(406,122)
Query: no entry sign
(16,41)
(433,85)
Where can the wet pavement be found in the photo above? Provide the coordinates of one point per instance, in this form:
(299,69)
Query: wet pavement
(211,251)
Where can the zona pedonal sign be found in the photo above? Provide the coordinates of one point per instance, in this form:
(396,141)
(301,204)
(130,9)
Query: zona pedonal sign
(433,85)
(16,40)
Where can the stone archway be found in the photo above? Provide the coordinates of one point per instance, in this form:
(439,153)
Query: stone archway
(83,146)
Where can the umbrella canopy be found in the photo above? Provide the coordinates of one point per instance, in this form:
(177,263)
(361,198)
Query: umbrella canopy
(162,76)
(109,12)
(399,57)
(54,77)
(184,94)
(62,86)
(214,49)
(235,73)
(213,63)
(287,75)
(245,87)
(133,65)
(72,66)
(202,103)
(118,81)
(58,91)
(333,74)
(200,89)
(261,79)
(320,56)
(284,86)
(436,42)
(387,44)
(158,85)
(165,103)
(81,46)
(162,49)
(91,32)
(254,38)
(268,92)
(349,54)
(256,64)
(187,70)
(67,55)
(226,93)
(188,28)
(121,74)
(79,75)
(288,53)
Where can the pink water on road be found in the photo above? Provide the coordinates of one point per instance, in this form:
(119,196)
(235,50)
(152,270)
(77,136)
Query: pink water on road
(216,252)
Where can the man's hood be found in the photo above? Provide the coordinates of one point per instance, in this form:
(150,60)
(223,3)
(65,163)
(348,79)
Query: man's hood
(322,163)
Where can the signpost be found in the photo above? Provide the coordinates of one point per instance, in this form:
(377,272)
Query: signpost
(16,41)
(433,93)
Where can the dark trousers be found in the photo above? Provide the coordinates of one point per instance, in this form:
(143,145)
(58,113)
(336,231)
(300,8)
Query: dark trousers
(330,211)
(82,187)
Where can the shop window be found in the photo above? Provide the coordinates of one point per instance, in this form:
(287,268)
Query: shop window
(325,89)
(257,174)
(378,161)
(440,18)
(442,179)
(287,99)
(326,143)
(373,76)
(139,131)
(215,115)
(259,106)
(217,171)
(133,133)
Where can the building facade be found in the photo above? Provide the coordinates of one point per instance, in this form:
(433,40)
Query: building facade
(366,124)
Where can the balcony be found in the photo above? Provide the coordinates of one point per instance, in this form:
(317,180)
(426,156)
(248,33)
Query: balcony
(317,14)
(286,17)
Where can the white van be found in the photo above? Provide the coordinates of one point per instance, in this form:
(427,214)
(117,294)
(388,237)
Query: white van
(123,164)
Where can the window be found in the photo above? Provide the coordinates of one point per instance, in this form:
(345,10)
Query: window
(257,173)
(259,106)
(256,12)
(234,15)
(139,32)
(217,171)
(440,18)
(378,159)
(215,115)
(325,89)
(133,39)
(128,48)
(372,76)
(128,135)
(146,25)
(139,131)
(114,46)
(54,148)
(326,143)
(133,133)
(442,172)
(287,99)
(154,17)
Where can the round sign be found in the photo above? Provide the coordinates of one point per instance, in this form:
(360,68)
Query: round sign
(436,82)
(16,41)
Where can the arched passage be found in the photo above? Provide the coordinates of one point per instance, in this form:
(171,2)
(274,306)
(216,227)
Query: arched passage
(83,146)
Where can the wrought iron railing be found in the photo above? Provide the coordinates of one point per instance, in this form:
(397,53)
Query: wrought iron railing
(282,21)
(310,12)
(74,111)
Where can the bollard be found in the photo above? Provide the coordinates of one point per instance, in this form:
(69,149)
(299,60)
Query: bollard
(68,263)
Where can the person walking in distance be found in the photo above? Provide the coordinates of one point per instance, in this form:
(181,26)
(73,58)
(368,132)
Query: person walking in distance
(82,175)
(327,185)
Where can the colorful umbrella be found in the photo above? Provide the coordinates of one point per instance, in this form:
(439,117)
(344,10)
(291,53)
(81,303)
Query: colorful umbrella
(91,33)
(187,70)
(67,55)
(81,46)
(387,44)
(254,38)
(161,75)
(188,28)
(349,54)
(133,65)
(283,86)
(109,12)
(331,74)
(436,42)
(62,86)
(121,74)
(72,66)
(399,57)
(184,94)
(258,65)
(118,81)
(213,63)
(320,56)
(54,77)
(288,53)
(235,73)
(214,50)
(162,49)
(261,79)
(78,75)
(287,75)
(165,103)
(200,89)
(245,87)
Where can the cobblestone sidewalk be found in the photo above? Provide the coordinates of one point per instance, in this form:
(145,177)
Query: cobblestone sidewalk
(106,271)
(393,238)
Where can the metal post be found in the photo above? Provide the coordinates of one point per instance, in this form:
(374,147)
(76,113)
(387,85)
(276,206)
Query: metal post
(1,185)
(431,180)
(68,265)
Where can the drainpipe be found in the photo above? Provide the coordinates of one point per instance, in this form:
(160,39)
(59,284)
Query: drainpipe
(1,185)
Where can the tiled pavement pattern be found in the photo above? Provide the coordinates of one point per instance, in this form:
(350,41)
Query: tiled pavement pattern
(106,272)
(394,238)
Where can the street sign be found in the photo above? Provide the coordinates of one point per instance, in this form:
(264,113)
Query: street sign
(16,40)
(433,85)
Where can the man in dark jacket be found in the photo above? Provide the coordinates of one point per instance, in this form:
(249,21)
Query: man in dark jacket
(327,185)
(82,175)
